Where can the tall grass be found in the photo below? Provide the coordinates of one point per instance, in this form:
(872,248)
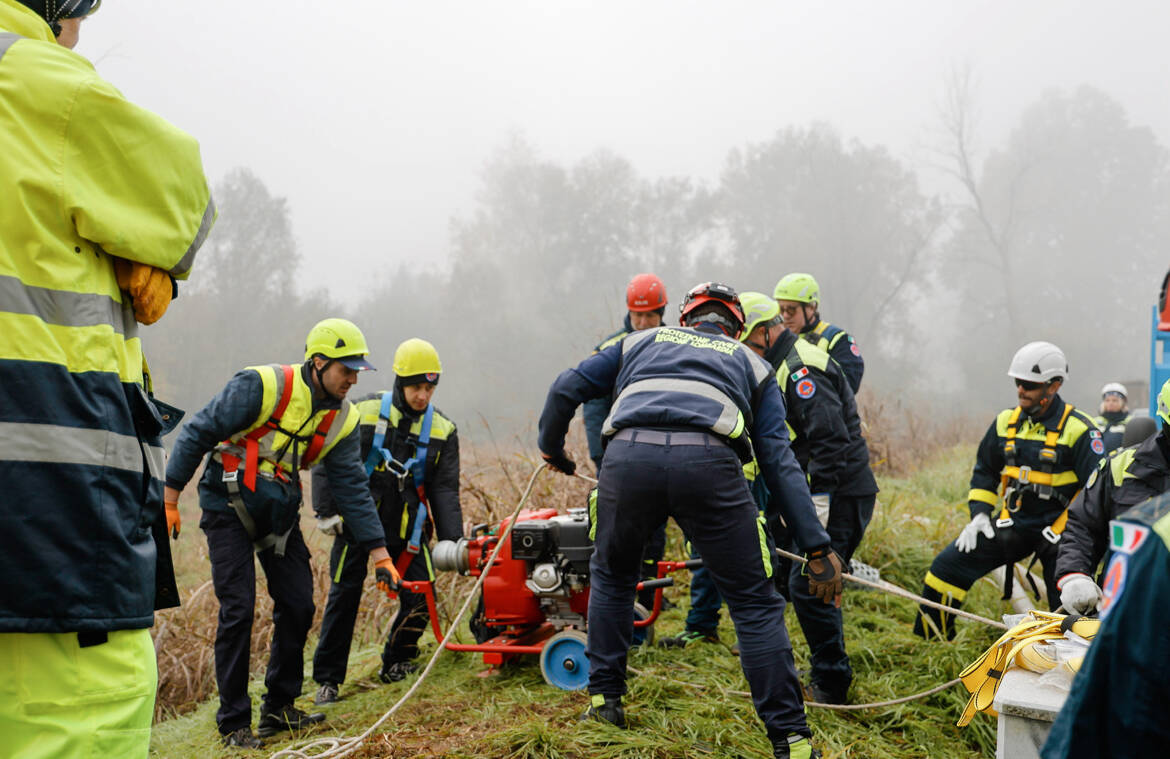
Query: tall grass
(464,710)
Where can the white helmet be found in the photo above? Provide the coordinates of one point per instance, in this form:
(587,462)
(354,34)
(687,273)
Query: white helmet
(1039,362)
(1114,387)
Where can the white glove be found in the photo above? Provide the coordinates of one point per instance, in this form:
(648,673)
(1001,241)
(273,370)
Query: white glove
(1078,593)
(329,525)
(821,502)
(970,534)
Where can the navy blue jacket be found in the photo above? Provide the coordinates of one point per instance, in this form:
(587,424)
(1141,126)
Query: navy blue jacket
(597,409)
(681,378)
(840,345)
(235,408)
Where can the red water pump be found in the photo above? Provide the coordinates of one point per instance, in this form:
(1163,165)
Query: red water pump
(535,597)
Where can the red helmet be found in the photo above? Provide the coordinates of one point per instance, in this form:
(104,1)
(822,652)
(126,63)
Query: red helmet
(713,292)
(645,293)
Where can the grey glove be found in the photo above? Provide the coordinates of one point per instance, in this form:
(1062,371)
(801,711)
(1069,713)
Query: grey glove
(980,523)
(329,525)
(1078,593)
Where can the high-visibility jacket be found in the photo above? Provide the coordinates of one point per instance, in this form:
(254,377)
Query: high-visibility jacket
(596,410)
(397,498)
(86,175)
(691,379)
(840,345)
(247,403)
(1038,490)
(822,414)
(1126,478)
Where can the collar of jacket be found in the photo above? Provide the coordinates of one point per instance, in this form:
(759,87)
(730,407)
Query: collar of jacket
(809,327)
(1051,415)
(325,401)
(779,350)
(1114,416)
(19,18)
(1154,455)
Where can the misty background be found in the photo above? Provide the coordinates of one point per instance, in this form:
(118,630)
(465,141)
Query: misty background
(488,176)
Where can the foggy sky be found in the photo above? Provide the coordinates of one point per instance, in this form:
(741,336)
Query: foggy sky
(374,118)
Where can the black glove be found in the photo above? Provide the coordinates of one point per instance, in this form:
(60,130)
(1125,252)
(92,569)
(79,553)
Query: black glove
(561,463)
(824,575)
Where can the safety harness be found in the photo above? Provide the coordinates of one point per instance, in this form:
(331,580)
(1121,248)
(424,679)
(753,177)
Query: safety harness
(231,463)
(416,467)
(1016,479)
(983,677)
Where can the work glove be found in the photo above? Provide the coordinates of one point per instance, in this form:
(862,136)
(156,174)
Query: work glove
(174,521)
(821,501)
(387,579)
(1078,593)
(329,525)
(561,463)
(824,575)
(150,288)
(980,523)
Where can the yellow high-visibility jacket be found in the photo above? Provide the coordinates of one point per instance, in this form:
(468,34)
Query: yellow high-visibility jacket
(86,175)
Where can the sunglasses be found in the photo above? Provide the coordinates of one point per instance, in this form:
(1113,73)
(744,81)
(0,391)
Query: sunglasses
(789,310)
(1025,384)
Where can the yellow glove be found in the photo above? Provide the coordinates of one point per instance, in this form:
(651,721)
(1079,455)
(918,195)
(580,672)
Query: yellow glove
(149,287)
(387,578)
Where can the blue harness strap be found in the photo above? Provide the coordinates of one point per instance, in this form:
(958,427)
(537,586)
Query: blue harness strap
(416,466)
(378,454)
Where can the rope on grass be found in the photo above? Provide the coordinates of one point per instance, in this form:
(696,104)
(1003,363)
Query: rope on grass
(333,748)
(814,704)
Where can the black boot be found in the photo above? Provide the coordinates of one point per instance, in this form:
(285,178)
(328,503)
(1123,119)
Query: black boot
(606,709)
(392,673)
(794,747)
(287,717)
(242,738)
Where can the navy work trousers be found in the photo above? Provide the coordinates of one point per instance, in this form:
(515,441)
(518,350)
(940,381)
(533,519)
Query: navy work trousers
(290,584)
(821,622)
(703,488)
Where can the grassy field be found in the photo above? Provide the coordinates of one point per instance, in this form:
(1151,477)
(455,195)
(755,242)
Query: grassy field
(682,702)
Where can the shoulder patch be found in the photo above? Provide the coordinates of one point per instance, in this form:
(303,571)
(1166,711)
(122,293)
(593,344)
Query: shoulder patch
(1097,446)
(1093,477)
(1114,583)
(806,388)
(801,372)
(854,349)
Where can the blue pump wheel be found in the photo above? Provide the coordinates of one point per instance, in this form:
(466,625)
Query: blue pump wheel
(563,662)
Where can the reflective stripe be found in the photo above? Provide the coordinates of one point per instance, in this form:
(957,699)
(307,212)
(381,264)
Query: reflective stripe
(341,563)
(593,514)
(944,587)
(61,308)
(180,269)
(156,461)
(6,40)
(982,496)
(729,419)
(632,339)
(54,444)
(765,554)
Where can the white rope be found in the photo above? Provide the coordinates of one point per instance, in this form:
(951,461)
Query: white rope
(334,747)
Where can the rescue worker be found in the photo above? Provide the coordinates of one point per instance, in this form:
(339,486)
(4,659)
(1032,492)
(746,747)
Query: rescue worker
(1114,415)
(1125,478)
(413,466)
(799,297)
(1033,459)
(267,423)
(645,306)
(691,406)
(104,205)
(1116,707)
(828,443)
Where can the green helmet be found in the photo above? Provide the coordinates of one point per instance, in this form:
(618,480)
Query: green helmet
(801,288)
(1164,402)
(340,340)
(758,311)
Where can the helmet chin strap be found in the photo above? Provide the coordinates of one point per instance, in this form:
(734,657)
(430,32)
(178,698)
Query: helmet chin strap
(320,375)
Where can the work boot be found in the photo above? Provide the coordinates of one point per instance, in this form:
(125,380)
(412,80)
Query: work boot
(824,695)
(794,747)
(287,717)
(606,709)
(242,738)
(395,671)
(326,694)
(686,638)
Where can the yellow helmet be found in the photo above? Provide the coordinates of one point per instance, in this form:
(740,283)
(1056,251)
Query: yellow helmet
(758,311)
(799,287)
(340,340)
(1164,402)
(417,360)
